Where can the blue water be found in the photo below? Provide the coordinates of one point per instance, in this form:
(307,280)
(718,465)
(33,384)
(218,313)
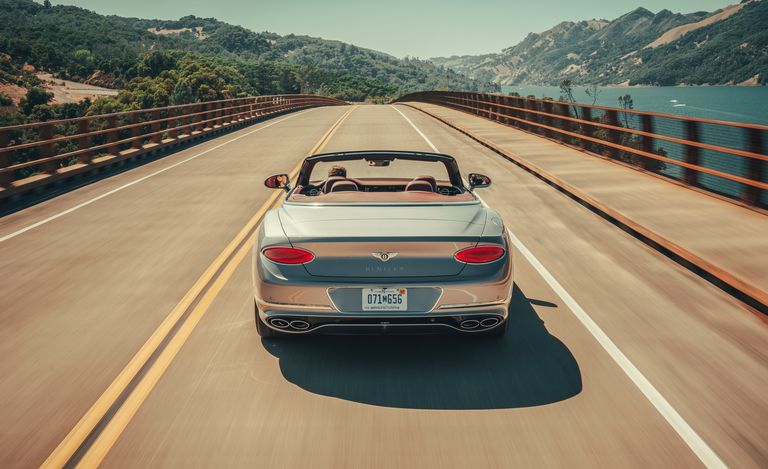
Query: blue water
(747,104)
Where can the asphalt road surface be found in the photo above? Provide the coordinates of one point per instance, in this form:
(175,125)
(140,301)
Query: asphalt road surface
(615,355)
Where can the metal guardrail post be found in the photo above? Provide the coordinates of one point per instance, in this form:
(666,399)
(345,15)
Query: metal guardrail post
(216,114)
(112,136)
(504,101)
(83,127)
(531,117)
(536,106)
(200,116)
(136,132)
(516,102)
(756,170)
(157,137)
(646,141)
(613,135)
(586,129)
(559,110)
(260,106)
(171,125)
(5,159)
(692,153)
(185,120)
(546,106)
(524,115)
(48,149)
(563,123)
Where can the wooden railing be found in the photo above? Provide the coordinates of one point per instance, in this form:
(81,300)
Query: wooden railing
(728,158)
(42,153)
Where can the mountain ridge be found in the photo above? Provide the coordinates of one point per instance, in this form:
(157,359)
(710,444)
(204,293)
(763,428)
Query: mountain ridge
(709,50)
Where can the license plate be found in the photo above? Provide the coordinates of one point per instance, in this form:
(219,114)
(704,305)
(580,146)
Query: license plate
(385,299)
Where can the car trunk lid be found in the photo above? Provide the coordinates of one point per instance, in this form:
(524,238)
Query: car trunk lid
(383,241)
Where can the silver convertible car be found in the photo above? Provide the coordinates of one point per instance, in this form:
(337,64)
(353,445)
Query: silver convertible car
(381,241)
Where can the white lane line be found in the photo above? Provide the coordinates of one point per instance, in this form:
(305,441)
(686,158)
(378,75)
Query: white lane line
(697,444)
(125,186)
(678,423)
(429,142)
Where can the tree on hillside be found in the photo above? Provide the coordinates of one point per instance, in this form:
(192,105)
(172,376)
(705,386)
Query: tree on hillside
(36,96)
(182,93)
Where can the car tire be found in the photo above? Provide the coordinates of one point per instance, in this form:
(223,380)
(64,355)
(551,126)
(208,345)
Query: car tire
(264,331)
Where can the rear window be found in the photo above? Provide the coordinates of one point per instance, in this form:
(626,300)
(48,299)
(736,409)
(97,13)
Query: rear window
(360,169)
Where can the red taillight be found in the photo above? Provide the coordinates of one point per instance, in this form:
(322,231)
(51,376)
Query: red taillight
(284,255)
(479,254)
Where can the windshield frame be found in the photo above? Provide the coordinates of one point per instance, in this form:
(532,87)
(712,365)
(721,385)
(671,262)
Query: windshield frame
(451,167)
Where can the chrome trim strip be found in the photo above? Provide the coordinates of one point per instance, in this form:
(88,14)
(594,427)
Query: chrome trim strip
(379,204)
(382,326)
(379,315)
(471,305)
(292,305)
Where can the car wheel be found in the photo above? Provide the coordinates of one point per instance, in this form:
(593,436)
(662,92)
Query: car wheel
(264,331)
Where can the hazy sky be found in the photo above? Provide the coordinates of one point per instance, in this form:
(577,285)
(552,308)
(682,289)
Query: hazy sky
(419,28)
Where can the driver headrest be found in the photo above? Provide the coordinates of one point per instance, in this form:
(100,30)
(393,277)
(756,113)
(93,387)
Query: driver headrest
(422,186)
(344,186)
(430,179)
(329,183)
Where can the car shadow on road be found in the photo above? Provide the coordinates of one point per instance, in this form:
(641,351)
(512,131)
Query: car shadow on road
(528,367)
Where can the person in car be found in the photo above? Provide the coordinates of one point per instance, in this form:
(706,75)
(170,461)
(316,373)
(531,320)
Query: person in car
(337,170)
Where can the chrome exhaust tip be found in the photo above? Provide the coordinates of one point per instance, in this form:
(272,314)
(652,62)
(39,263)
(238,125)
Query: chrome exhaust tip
(489,322)
(469,324)
(299,325)
(279,323)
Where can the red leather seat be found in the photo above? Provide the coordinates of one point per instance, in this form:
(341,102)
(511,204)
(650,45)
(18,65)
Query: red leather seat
(329,183)
(418,185)
(430,179)
(344,186)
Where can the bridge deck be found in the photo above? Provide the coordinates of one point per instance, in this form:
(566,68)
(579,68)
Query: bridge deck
(733,240)
(90,275)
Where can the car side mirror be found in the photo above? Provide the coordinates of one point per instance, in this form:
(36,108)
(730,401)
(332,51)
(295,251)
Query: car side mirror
(278,181)
(478,180)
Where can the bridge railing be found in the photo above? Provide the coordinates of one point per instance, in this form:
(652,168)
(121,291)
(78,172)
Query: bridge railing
(727,158)
(41,153)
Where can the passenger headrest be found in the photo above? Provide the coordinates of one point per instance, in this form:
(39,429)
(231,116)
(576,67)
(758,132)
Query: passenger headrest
(430,179)
(421,186)
(344,186)
(328,186)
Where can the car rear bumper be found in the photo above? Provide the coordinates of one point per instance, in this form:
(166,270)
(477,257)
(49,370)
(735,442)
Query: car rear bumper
(305,322)
(451,312)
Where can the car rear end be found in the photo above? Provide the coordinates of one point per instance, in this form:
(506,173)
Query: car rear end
(406,268)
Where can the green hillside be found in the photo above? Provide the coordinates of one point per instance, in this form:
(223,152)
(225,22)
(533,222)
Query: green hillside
(160,62)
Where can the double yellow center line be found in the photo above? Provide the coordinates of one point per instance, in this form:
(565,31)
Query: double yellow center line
(93,436)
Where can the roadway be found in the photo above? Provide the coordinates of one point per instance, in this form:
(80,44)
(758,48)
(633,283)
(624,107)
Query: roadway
(90,275)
